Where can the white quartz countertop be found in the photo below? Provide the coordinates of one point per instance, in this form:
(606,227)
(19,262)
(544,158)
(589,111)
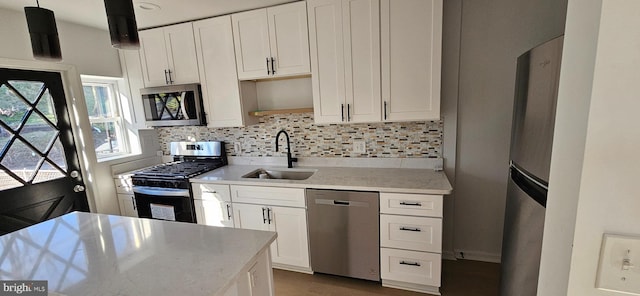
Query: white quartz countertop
(94,254)
(400,180)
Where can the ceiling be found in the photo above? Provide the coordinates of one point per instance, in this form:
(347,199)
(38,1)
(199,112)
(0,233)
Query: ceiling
(91,12)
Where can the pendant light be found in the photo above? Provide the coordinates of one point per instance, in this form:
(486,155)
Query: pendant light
(44,33)
(122,24)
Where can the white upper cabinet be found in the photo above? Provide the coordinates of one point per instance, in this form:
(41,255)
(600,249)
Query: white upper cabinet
(272,42)
(345,59)
(225,105)
(411,38)
(168,55)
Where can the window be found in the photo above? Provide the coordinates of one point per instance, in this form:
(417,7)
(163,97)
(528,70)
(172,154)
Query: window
(104,109)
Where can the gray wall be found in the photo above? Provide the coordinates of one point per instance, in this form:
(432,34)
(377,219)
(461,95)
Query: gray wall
(88,49)
(494,33)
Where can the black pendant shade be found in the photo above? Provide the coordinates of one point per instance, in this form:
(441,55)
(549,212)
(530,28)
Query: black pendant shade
(122,24)
(44,34)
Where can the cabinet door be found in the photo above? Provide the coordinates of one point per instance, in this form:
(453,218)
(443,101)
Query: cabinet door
(327,60)
(251,40)
(361,27)
(214,213)
(292,246)
(248,216)
(127,203)
(411,38)
(181,53)
(218,72)
(153,57)
(289,38)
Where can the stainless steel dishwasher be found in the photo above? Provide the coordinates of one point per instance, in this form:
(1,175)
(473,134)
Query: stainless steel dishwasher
(344,233)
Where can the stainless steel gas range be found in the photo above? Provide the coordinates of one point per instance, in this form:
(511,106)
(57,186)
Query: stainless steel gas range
(163,191)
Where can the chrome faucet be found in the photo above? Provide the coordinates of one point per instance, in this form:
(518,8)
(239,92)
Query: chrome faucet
(290,160)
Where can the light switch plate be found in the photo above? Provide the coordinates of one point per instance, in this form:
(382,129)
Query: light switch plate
(359,147)
(236,147)
(619,268)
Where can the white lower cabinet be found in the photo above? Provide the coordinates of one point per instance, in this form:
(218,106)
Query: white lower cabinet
(257,280)
(266,212)
(212,203)
(410,270)
(126,199)
(411,241)
(127,203)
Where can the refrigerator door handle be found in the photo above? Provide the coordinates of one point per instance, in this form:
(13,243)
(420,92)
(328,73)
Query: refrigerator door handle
(533,188)
(526,175)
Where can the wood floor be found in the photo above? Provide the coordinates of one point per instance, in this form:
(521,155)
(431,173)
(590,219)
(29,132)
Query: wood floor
(459,278)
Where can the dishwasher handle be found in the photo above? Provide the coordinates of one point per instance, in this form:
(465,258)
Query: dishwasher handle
(341,203)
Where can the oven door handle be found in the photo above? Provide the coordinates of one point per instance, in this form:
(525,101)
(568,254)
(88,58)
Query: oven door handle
(158,191)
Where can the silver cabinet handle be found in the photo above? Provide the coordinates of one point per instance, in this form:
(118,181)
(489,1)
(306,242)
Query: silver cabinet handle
(414,204)
(166,80)
(269,215)
(342,111)
(385,110)
(229,211)
(264,218)
(268,70)
(273,67)
(209,192)
(348,112)
(416,229)
(170,79)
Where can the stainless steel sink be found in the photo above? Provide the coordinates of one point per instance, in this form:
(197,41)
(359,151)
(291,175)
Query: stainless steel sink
(284,174)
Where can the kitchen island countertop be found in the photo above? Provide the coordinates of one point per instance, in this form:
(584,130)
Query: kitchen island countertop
(398,180)
(96,254)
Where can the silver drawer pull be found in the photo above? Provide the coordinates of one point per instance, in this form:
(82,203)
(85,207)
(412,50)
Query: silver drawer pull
(415,204)
(416,229)
(209,192)
(410,263)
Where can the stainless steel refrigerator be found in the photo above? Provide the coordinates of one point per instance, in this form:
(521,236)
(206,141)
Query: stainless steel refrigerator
(536,93)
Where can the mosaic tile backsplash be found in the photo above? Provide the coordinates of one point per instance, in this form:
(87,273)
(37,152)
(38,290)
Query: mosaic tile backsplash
(393,139)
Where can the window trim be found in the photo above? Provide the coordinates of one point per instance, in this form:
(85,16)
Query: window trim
(116,105)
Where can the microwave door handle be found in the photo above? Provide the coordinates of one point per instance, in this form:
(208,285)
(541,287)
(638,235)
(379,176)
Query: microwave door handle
(183,105)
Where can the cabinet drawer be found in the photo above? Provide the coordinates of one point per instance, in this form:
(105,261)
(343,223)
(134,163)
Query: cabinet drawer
(212,192)
(411,204)
(411,233)
(410,266)
(276,196)
(123,185)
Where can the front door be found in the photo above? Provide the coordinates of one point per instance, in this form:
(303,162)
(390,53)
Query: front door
(40,174)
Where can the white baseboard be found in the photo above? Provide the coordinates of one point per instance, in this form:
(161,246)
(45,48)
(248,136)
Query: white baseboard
(477,256)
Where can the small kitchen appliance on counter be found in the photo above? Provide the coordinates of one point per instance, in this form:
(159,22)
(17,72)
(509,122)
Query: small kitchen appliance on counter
(163,191)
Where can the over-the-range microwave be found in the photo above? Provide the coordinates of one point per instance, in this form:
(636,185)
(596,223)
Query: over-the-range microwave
(173,105)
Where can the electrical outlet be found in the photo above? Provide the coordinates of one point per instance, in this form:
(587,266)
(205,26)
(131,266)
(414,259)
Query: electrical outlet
(236,147)
(359,147)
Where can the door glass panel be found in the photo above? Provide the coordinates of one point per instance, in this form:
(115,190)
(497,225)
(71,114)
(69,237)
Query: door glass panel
(56,155)
(38,132)
(21,160)
(5,136)
(46,107)
(12,107)
(8,182)
(47,172)
(29,89)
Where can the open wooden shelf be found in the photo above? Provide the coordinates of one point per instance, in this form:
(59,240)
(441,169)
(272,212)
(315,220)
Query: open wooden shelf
(280,111)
